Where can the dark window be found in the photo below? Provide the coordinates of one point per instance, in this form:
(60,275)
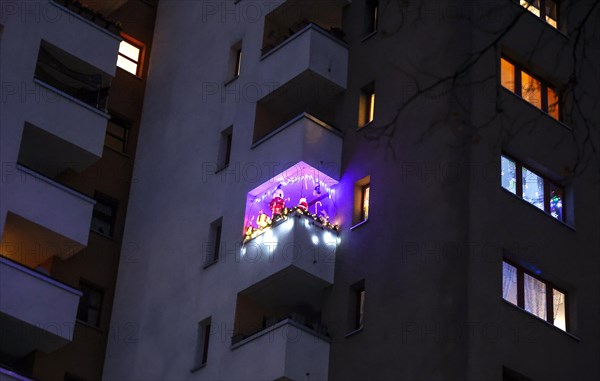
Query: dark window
(532,89)
(225,147)
(235,60)
(531,187)
(357,305)
(533,294)
(213,248)
(105,212)
(90,304)
(202,343)
(366,107)
(371,16)
(117,133)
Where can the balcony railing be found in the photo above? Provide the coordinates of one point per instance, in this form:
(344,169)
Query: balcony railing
(286,350)
(86,87)
(37,312)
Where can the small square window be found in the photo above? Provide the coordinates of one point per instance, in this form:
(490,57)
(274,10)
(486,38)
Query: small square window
(90,304)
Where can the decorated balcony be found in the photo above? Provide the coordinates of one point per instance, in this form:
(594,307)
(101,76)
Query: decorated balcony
(36,311)
(286,350)
(291,220)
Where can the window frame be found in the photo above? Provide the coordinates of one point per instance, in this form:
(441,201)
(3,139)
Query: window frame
(356,308)
(113,204)
(544,87)
(140,62)
(366,106)
(548,185)
(212,250)
(84,284)
(202,343)
(124,124)
(364,212)
(372,15)
(550,287)
(542,10)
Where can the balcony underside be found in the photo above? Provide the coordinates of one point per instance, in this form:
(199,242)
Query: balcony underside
(36,312)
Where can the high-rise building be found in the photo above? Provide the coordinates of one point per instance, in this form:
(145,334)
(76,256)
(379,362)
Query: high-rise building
(366,190)
(322,190)
(72,85)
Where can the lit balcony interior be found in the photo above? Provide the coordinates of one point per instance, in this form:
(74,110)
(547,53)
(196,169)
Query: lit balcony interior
(293,15)
(31,244)
(72,76)
(301,190)
(289,294)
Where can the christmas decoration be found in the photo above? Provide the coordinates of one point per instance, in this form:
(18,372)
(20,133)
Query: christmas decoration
(277,203)
(262,221)
(302,204)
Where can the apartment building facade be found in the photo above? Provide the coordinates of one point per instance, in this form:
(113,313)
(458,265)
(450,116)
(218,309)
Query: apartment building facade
(73,78)
(353,190)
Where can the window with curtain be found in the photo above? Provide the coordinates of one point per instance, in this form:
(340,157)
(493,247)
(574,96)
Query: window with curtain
(547,10)
(532,89)
(533,294)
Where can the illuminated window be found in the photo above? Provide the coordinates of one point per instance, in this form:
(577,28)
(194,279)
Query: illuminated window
(545,9)
(530,88)
(366,112)
(531,187)
(364,209)
(533,294)
(371,16)
(130,56)
(202,343)
(90,304)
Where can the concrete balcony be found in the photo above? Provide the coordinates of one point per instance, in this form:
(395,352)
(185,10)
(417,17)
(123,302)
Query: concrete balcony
(285,351)
(299,244)
(9,375)
(312,50)
(79,36)
(37,312)
(45,218)
(306,72)
(72,132)
(301,139)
